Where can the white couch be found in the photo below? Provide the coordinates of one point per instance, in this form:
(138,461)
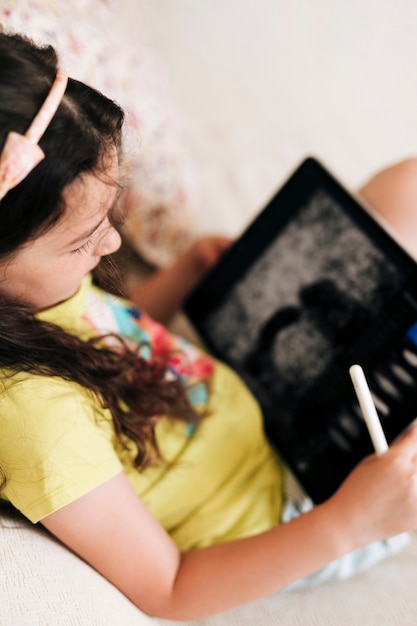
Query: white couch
(44,584)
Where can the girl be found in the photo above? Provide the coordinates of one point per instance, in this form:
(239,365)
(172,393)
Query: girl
(117,436)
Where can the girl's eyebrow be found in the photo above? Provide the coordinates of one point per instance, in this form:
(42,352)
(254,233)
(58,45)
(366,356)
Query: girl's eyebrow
(88,233)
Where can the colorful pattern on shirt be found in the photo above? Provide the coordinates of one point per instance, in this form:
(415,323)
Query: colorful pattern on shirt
(109,314)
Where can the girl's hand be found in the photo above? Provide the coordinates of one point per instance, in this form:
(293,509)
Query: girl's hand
(206,251)
(379,498)
(163,294)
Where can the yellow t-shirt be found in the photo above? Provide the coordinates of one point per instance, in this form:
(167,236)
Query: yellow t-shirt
(58,444)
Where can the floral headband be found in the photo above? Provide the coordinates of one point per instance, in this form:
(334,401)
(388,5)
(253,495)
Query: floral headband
(21,153)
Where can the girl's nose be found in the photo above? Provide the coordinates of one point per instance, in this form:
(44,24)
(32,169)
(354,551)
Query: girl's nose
(110,241)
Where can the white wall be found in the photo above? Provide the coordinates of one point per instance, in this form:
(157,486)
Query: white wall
(262,83)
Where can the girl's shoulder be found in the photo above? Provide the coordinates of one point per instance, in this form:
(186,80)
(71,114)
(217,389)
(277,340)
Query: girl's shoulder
(57,443)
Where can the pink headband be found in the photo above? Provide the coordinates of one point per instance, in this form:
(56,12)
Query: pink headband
(21,153)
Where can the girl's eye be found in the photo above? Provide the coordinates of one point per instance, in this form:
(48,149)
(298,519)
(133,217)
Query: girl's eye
(83,248)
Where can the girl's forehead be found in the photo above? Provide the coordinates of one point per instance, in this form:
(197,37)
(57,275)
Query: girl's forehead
(89,192)
(92,192)
(87,204)
(87,201)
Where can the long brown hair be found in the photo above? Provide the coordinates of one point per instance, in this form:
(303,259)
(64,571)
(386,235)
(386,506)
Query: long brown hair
(77,141)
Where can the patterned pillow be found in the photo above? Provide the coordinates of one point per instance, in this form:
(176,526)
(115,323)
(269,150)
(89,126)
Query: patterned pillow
(98,42)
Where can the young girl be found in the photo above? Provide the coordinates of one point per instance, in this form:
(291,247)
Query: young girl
(139,452)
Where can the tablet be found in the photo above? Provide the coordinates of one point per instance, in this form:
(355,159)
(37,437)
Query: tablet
(314,285)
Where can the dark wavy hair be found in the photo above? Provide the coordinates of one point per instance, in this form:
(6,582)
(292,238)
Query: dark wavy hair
(85,127)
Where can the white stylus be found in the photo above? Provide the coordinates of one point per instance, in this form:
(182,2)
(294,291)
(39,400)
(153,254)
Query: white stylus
(368,409)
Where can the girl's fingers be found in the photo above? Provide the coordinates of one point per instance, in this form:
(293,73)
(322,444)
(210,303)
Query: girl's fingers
(407,440)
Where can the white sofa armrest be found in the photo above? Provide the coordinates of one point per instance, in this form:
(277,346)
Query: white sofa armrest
(44,583)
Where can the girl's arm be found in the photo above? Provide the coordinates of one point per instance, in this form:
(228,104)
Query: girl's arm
(162,295)
(112,530)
